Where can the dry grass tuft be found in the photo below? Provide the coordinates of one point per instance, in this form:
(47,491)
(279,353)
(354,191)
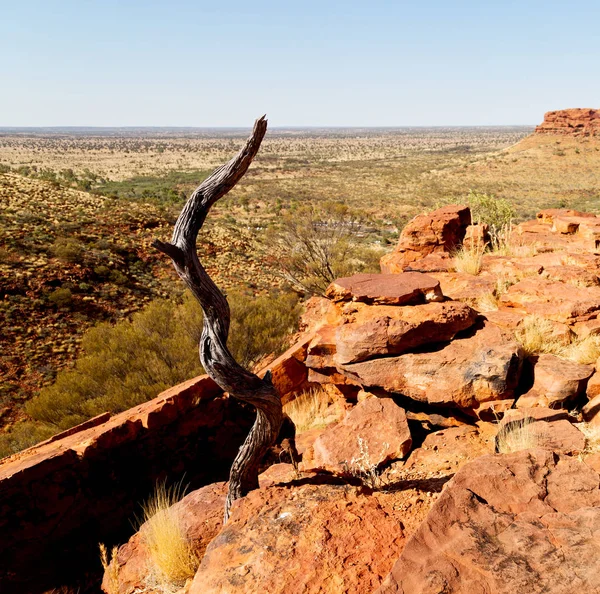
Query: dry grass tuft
(585,350)
(310,410)
(592,438)
(468,260)
(536,336)
(516,436)
(487,302)
(111,568)
(173,560)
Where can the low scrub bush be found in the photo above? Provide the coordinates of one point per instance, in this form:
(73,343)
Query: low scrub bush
(498,213)
(537,335)
(68,250)
(61,297)
(133,361)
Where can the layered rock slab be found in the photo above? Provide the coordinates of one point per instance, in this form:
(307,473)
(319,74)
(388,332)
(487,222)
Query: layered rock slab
(303,540)
(408,288)
(468,371)
(371,331)
(523,522)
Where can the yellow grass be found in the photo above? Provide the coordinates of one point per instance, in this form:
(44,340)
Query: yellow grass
(111,568)
(519,437)
(468,260)
(310,410)
(173,559)
(536,336)
(585,350)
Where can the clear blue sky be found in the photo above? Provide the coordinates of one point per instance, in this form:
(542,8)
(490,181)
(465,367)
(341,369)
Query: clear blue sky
(304,63)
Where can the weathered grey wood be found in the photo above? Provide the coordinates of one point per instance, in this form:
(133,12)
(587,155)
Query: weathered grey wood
(214,354)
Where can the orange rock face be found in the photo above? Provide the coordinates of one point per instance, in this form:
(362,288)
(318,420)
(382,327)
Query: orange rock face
(575,122)
(523,522)
(375,428)
(439,231)
(303,540)
(408,288)
(387,330)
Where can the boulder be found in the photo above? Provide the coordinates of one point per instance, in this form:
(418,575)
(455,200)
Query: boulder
(372,433)
(557,382)
(522,522)
(485,365)
(201,516)
(477,236)
(439,231)
(591,409)
(408,288)
(301,540)
(372,331)
(548,215)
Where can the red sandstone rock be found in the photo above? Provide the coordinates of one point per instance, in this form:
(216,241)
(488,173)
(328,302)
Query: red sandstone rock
(439,231)
(523,522)
(554,300)
(461,286)
(436,262)
(545,428)
(573,122)
(557,382)
(372,433)
(201,516)
(482,367)
(547,215)
(372,331)
(592,408)
(477,236)
(303,540)
(409,288)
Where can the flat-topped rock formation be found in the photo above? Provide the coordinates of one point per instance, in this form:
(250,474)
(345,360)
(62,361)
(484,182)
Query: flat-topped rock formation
(573,122)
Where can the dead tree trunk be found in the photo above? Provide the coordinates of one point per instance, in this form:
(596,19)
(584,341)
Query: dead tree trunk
(214,354)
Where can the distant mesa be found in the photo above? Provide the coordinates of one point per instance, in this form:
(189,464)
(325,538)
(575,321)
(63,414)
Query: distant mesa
(573,122)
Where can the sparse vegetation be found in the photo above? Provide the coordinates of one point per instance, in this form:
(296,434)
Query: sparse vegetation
(516,436)
(172,556)
(111,568)
(497,213)
(537,335)
(365,469)
(310,410)
(468,259)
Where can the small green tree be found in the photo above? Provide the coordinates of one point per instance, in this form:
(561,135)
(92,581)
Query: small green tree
(315,244)
(497,213)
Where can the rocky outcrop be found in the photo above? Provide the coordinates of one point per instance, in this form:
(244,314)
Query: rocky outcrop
(482,366)
(59,499)
(573,122)
(374,432)
(523,522)
(303,539)
(557,382)
(442,230)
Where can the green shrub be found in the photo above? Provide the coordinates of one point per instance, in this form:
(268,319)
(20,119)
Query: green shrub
(23,435)
(498,213)
(68,250)
(61,297)
(261,325)
(133,361)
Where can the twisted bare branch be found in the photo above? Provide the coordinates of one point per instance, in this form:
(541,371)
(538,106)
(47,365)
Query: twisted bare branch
(214,354)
